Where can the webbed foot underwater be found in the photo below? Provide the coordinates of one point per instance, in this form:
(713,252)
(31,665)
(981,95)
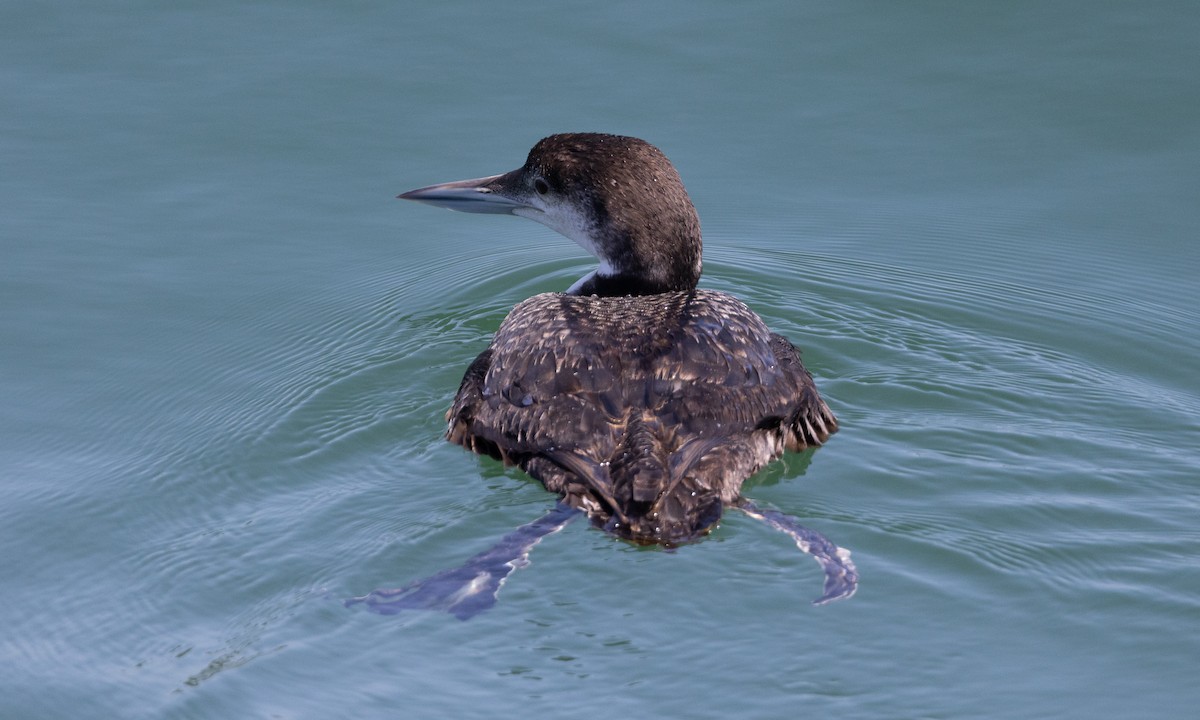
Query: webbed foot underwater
(639,399)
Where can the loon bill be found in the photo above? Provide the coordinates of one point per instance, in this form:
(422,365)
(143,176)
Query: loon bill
(642,401)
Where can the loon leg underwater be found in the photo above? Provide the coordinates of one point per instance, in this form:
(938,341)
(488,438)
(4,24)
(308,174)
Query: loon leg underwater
(841,577)
(471,588)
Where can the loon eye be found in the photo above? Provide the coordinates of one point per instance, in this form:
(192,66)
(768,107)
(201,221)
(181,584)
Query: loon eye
(541,186)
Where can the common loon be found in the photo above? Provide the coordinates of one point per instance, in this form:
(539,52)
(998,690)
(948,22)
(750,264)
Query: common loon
(639,399)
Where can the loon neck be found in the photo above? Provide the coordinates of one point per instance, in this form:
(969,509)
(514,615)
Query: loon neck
(644,268)
(644,263)
(618,285)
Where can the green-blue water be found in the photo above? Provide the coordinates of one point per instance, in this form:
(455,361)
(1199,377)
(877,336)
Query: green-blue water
(225,353)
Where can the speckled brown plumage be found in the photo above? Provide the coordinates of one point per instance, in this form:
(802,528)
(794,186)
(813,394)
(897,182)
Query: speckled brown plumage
(647,412)
(641,400)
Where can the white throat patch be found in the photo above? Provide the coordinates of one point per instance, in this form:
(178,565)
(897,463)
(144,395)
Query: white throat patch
(566,220)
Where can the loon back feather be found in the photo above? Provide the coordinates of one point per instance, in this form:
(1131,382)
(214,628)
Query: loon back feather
(639,408)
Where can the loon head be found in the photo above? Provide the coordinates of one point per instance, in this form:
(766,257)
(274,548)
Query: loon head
(618,197)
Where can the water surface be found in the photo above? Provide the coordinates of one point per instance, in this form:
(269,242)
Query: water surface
(225,353)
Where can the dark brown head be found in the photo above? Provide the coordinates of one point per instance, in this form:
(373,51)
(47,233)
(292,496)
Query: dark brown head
(618,197)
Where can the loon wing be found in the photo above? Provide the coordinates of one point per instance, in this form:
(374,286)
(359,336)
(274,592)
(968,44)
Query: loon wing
(567,372)
(647,412)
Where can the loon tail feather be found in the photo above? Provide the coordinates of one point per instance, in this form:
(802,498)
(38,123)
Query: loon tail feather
(687,506)
(594,474)
(652,496)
